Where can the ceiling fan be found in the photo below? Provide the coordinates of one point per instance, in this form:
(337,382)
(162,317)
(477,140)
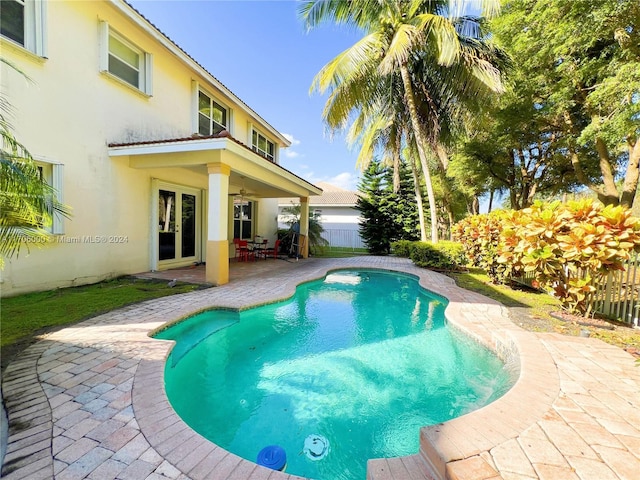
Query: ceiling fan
(242,192)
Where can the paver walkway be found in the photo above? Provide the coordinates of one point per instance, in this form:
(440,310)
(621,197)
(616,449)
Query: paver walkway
(89,402)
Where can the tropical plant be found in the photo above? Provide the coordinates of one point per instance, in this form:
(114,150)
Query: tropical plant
(314,234)
(27,202)
(480,236)
(569,248)
(405,41)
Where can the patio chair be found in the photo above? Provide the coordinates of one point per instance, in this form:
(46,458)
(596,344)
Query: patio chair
(236,246)
(272,252)
(245,252)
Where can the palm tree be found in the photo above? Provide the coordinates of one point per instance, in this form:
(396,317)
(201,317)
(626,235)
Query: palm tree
(399,34)
(27,202)
(384,129)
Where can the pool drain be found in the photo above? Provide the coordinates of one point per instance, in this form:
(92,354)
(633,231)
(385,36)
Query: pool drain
(316,447)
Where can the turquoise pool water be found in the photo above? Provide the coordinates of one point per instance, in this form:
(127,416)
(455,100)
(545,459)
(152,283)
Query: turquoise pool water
(348,369)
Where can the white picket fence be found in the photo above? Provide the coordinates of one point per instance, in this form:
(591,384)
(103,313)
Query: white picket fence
(618,296)
(343,238)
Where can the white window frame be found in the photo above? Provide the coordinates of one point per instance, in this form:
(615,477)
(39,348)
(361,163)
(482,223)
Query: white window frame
(145,70)
(212,99)
(242,219)
(35,27)
(258,150)
(53,174)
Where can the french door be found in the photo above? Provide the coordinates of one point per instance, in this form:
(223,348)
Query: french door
(179,224)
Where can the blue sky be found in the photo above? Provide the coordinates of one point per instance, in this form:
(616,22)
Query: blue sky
(260,50)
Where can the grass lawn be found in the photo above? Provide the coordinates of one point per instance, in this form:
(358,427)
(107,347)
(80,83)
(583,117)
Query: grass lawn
(540,304)
(24,317)
(27,315)
(531,310)
(338,252)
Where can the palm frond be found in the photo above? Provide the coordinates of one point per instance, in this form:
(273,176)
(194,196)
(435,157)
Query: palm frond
(440,32)
(348,64)
(360,13)
(401,48)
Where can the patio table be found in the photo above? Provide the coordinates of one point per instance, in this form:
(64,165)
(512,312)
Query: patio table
(258,247)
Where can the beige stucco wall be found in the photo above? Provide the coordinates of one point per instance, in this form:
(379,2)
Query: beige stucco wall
(69,113)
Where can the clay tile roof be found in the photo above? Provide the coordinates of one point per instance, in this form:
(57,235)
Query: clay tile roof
(331,195)
(222,134)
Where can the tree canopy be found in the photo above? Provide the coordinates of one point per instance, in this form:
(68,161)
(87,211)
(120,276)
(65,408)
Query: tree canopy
(573,107)
(416,65)
(388,215)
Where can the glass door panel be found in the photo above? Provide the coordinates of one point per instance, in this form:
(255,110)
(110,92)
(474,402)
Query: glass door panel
(166,225)
(188,234)
(178,224)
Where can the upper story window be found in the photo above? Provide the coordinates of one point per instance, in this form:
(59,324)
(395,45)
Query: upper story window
(262,146)
(23,22)
(125,61)
(212,117)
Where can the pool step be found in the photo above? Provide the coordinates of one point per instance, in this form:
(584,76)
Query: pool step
(411,467)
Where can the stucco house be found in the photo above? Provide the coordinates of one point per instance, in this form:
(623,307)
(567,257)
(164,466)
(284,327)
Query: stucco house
(336,209)
(161,163)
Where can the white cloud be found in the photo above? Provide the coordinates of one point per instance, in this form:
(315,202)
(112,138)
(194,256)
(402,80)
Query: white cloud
(346,180)
(289,152)
(294,141)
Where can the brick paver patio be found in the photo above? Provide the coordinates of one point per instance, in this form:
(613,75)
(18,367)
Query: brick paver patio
(88,401)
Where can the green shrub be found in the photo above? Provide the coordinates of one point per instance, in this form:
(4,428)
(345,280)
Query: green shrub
(570,248)
(443,255)
(402,248)
(480,236)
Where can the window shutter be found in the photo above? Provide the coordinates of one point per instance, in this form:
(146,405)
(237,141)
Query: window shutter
(58,184)
(148,74)
(40,26)
(103,42)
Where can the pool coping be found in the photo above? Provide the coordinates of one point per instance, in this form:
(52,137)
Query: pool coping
(114,352)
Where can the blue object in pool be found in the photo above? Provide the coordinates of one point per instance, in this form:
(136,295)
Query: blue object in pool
(273,457)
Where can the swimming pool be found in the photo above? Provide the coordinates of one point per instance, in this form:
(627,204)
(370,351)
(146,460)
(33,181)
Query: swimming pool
(346,370)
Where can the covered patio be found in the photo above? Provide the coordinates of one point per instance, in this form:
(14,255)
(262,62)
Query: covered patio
(237,271)
(231,170)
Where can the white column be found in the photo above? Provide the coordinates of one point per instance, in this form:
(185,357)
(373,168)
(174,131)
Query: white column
(304,225)
(217,271)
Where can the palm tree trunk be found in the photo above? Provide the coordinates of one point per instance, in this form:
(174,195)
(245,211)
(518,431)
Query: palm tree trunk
(416,183)
(417,132)
(396,165)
